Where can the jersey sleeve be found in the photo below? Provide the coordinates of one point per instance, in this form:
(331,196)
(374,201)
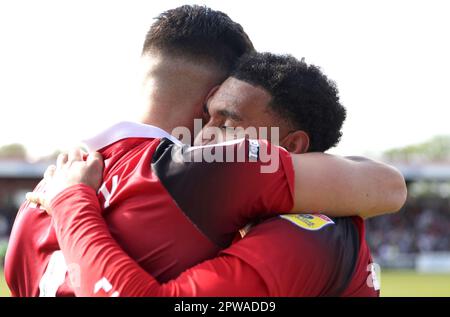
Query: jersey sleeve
(21,276)
(99,267)
(223,187)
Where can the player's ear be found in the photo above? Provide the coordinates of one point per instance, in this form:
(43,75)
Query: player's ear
(296,142)
(210,94)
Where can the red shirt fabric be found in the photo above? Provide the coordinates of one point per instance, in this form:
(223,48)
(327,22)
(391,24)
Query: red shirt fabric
(333,260)
(275,258)
(168,213)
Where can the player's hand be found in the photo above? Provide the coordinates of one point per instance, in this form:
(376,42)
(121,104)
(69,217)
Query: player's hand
(70,170)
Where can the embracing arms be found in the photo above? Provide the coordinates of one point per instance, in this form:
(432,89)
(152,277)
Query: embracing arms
(350,186)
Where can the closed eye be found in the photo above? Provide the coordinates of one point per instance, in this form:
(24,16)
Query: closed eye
(205,109)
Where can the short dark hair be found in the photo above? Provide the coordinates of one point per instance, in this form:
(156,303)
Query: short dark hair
(301,94)
(200,34)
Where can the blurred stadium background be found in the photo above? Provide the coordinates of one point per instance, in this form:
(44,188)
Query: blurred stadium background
(412,247)
(388,58)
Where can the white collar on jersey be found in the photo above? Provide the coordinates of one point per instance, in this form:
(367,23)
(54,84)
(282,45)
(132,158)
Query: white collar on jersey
(125,130)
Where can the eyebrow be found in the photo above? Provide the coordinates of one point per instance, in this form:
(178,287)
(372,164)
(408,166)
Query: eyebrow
(225,113)
(230,114)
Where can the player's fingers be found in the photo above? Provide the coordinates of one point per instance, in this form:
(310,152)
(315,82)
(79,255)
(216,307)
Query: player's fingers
(84,154)
(35,197)
(94,173)
(50,171)
(95,159)
(61,160)
(75,155)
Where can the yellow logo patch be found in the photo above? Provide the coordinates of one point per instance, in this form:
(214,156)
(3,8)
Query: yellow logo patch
(309,221)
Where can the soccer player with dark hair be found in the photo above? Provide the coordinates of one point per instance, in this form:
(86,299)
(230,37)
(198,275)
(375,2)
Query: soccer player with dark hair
(302,97)
(187,51)
(178,77)
(149,201)
(184,31)
(290,255)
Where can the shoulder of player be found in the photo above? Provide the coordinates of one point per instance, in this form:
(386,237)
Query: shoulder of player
(239,150)
(299,228)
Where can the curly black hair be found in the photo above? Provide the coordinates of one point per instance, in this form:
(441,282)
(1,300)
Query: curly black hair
(200,34)
(301,94)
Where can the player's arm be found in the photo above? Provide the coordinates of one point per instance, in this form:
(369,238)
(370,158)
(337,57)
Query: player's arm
(15,276)
(234,193)
(349,186)
(98,266)
(102,268)
(281,182)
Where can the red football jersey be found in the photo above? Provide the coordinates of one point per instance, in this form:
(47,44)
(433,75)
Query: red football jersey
(168,212)
(289,255)
(309,255)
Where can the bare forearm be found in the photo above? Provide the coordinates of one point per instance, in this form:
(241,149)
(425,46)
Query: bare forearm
(346,186)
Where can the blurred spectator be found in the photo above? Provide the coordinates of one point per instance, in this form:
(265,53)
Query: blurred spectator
(421,226)
(4,227)
(3,246)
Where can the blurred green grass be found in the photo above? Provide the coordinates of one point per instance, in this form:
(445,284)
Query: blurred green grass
(393,283)
(4,291)
(413,284)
